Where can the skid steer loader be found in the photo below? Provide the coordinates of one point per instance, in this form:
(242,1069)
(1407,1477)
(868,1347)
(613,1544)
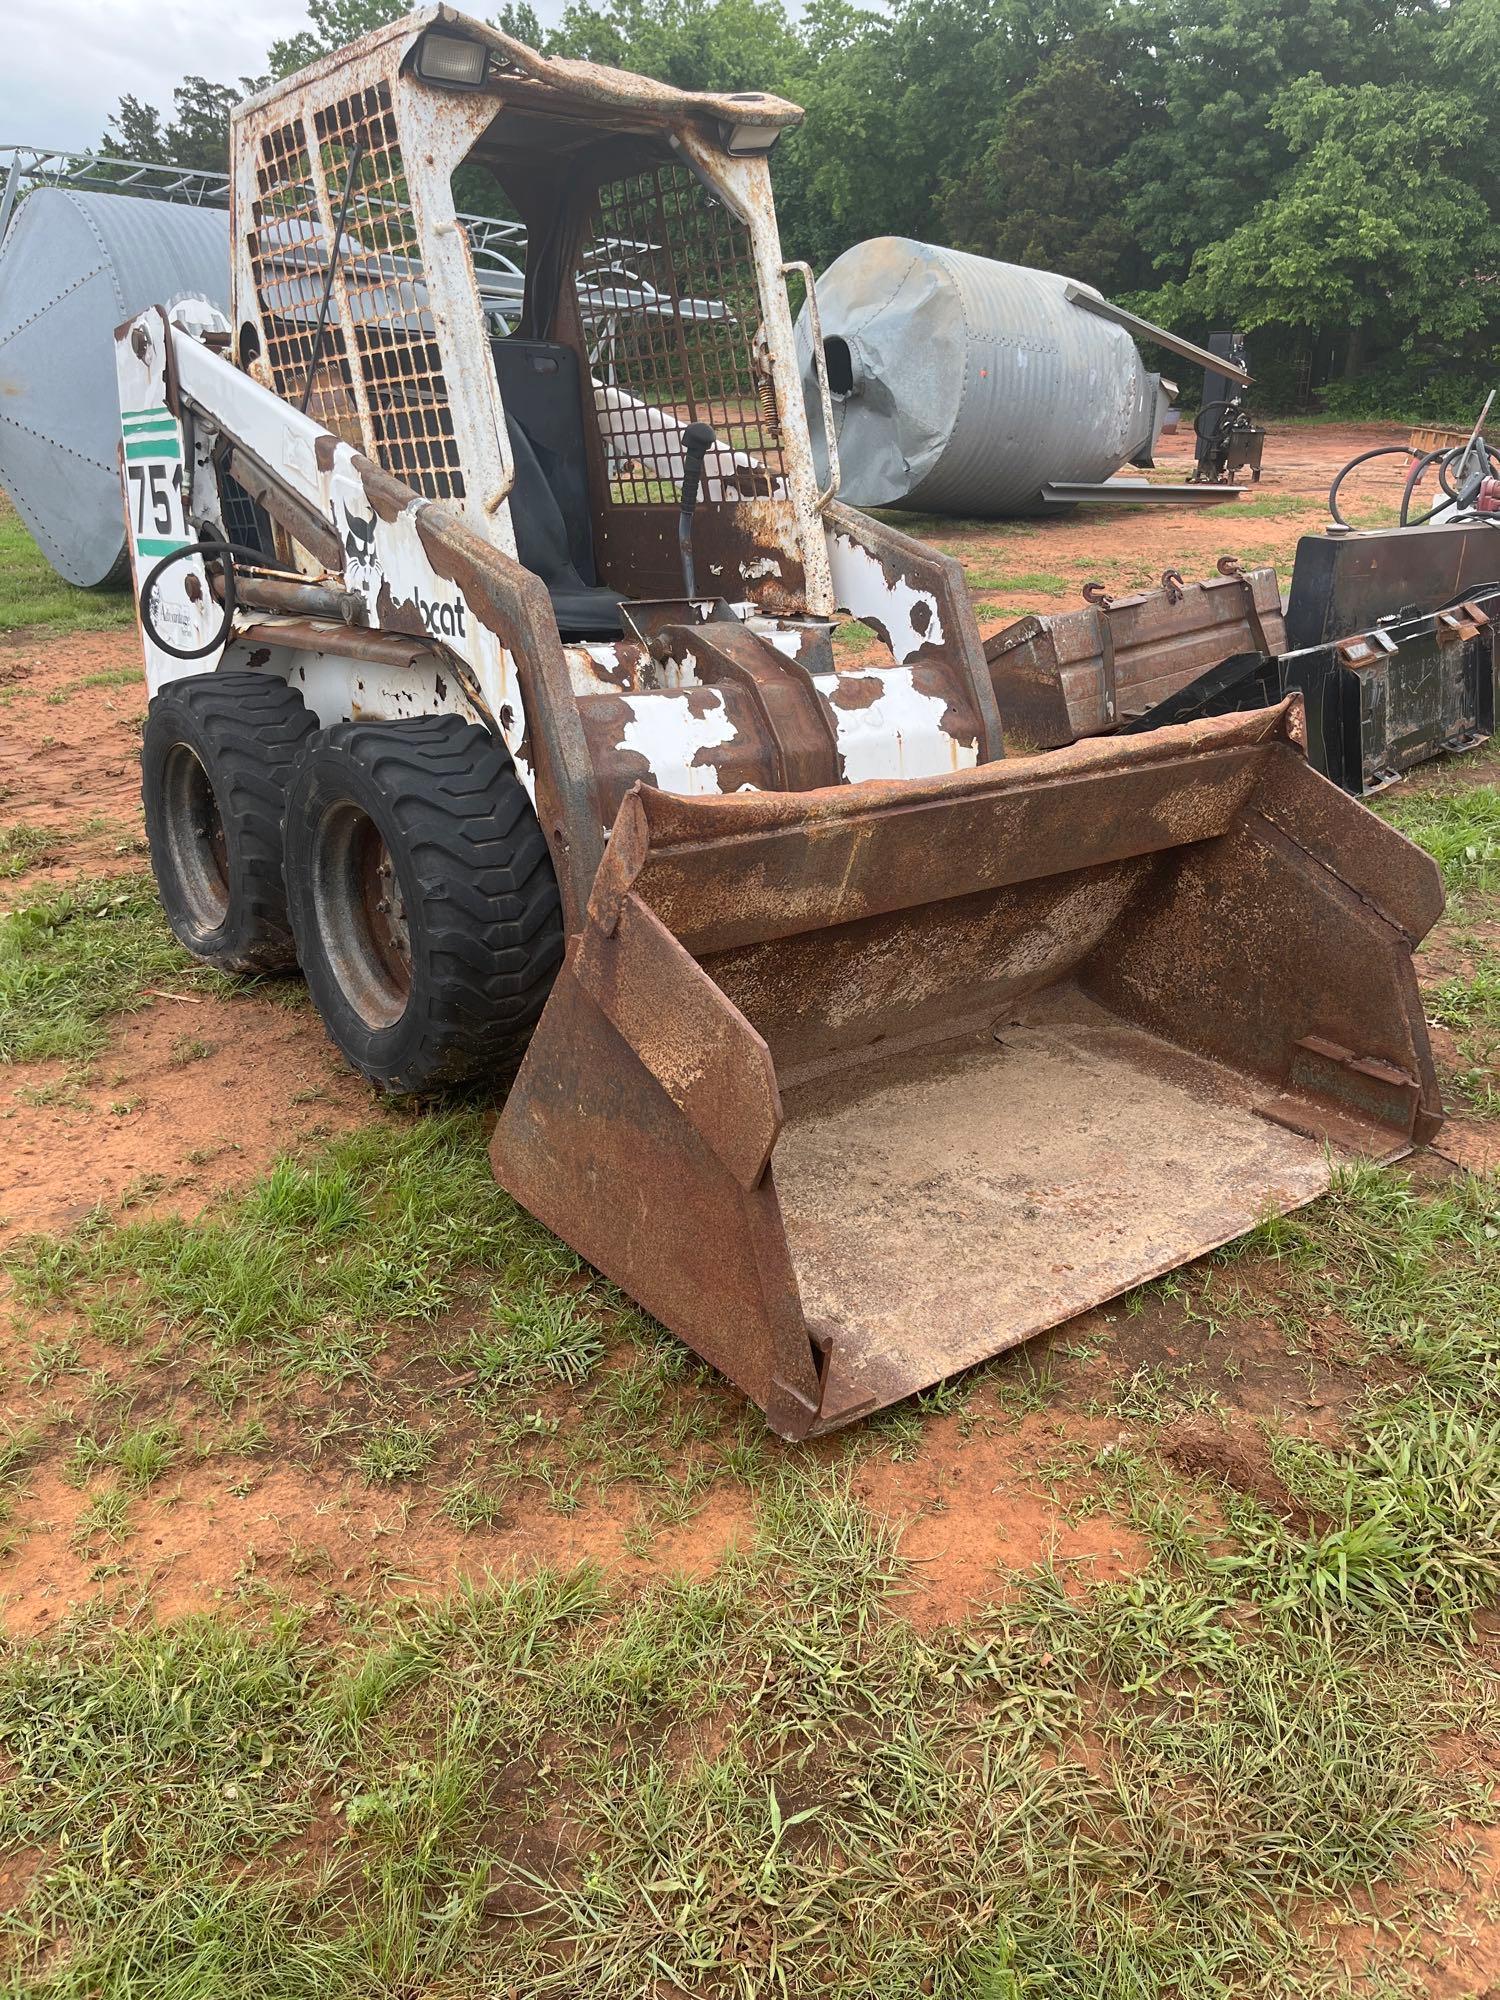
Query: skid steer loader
(493,681)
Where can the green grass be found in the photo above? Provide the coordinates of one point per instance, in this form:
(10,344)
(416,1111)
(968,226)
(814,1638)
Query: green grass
(140,1452)
(852,636)
(23,846)
(538,1335)
(1471,1008)
(109,677)
(1277,506)
(395,1451)
(32,594)
(1183,1781)
(764,1782)
(74,958)
(1026,583)
(1459,828)
(313,1263)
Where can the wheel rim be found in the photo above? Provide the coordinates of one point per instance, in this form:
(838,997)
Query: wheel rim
(195,837)
(361,915)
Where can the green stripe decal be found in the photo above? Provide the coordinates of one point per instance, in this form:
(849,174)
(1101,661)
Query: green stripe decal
(149,545)
(154,448)
(156,411)
(143,426)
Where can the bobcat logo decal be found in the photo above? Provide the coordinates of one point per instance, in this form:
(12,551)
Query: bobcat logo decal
(361,563)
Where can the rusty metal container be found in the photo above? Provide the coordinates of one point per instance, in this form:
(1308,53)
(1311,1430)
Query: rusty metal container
(1090,671)
(854,1088)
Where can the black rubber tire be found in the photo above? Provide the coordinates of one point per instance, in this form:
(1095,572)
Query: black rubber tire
(215,757)
(434,807)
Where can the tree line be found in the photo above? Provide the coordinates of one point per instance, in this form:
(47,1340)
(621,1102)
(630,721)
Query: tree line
(1323,175)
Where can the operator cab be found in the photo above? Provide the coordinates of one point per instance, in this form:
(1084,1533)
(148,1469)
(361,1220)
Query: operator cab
(549,499)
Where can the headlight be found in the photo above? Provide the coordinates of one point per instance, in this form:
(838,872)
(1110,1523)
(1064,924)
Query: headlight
(451,60)
(747,136)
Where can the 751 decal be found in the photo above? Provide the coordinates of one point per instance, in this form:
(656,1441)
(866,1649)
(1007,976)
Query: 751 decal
(153,469)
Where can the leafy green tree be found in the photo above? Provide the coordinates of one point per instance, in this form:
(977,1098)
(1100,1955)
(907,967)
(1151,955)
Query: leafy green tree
(331,25)
(1046,191)
(1323,173)
(1213,72)
(519,18)
(695,44)
(197,134)
(1374,225)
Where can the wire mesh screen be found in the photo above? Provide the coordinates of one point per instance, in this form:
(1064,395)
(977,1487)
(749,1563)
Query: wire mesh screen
(382,277)
(289,268)
(379,291)
(669,293)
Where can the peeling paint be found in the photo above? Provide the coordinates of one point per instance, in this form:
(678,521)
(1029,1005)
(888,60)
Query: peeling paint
(673,733)
(908,617)
(888,728)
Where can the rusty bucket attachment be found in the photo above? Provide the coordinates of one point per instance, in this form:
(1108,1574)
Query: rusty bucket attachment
(854,1088)
(1060,675)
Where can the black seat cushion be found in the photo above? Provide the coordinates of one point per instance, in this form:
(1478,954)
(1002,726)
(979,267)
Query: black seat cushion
(549,500)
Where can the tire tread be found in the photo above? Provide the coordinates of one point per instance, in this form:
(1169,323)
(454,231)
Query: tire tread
(490,939)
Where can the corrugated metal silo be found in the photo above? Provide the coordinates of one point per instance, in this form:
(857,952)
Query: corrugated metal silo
(964,386)
(74,264)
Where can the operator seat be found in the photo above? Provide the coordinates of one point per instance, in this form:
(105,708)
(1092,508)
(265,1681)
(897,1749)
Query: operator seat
(549,502)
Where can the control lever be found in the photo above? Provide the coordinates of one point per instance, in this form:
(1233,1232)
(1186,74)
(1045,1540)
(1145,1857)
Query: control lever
(697,442)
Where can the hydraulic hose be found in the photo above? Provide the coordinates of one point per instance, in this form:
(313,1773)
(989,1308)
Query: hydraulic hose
(1446,458)
(1380,451)
(1413,478)
(225,552)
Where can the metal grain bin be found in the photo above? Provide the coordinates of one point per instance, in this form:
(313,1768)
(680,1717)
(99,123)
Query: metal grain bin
(963,386)
(73,266)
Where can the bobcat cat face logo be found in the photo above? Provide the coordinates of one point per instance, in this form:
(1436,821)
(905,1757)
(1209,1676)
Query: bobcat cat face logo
(359,538)
(361,564)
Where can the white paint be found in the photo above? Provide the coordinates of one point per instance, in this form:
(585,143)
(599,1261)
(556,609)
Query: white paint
(664,730)
(156,520)
(337,689)
(898,736)
(785,639)
(376,552)
(864,592)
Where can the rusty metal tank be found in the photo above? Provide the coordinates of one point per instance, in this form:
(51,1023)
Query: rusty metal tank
(965,386)
(73,265)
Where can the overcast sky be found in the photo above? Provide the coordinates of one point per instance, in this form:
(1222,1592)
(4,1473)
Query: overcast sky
(66,63)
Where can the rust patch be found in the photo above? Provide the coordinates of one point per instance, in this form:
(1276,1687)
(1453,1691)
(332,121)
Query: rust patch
(857,691)
(387,496)
(728,759)
(958,720)
(606,717)
(393,617)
